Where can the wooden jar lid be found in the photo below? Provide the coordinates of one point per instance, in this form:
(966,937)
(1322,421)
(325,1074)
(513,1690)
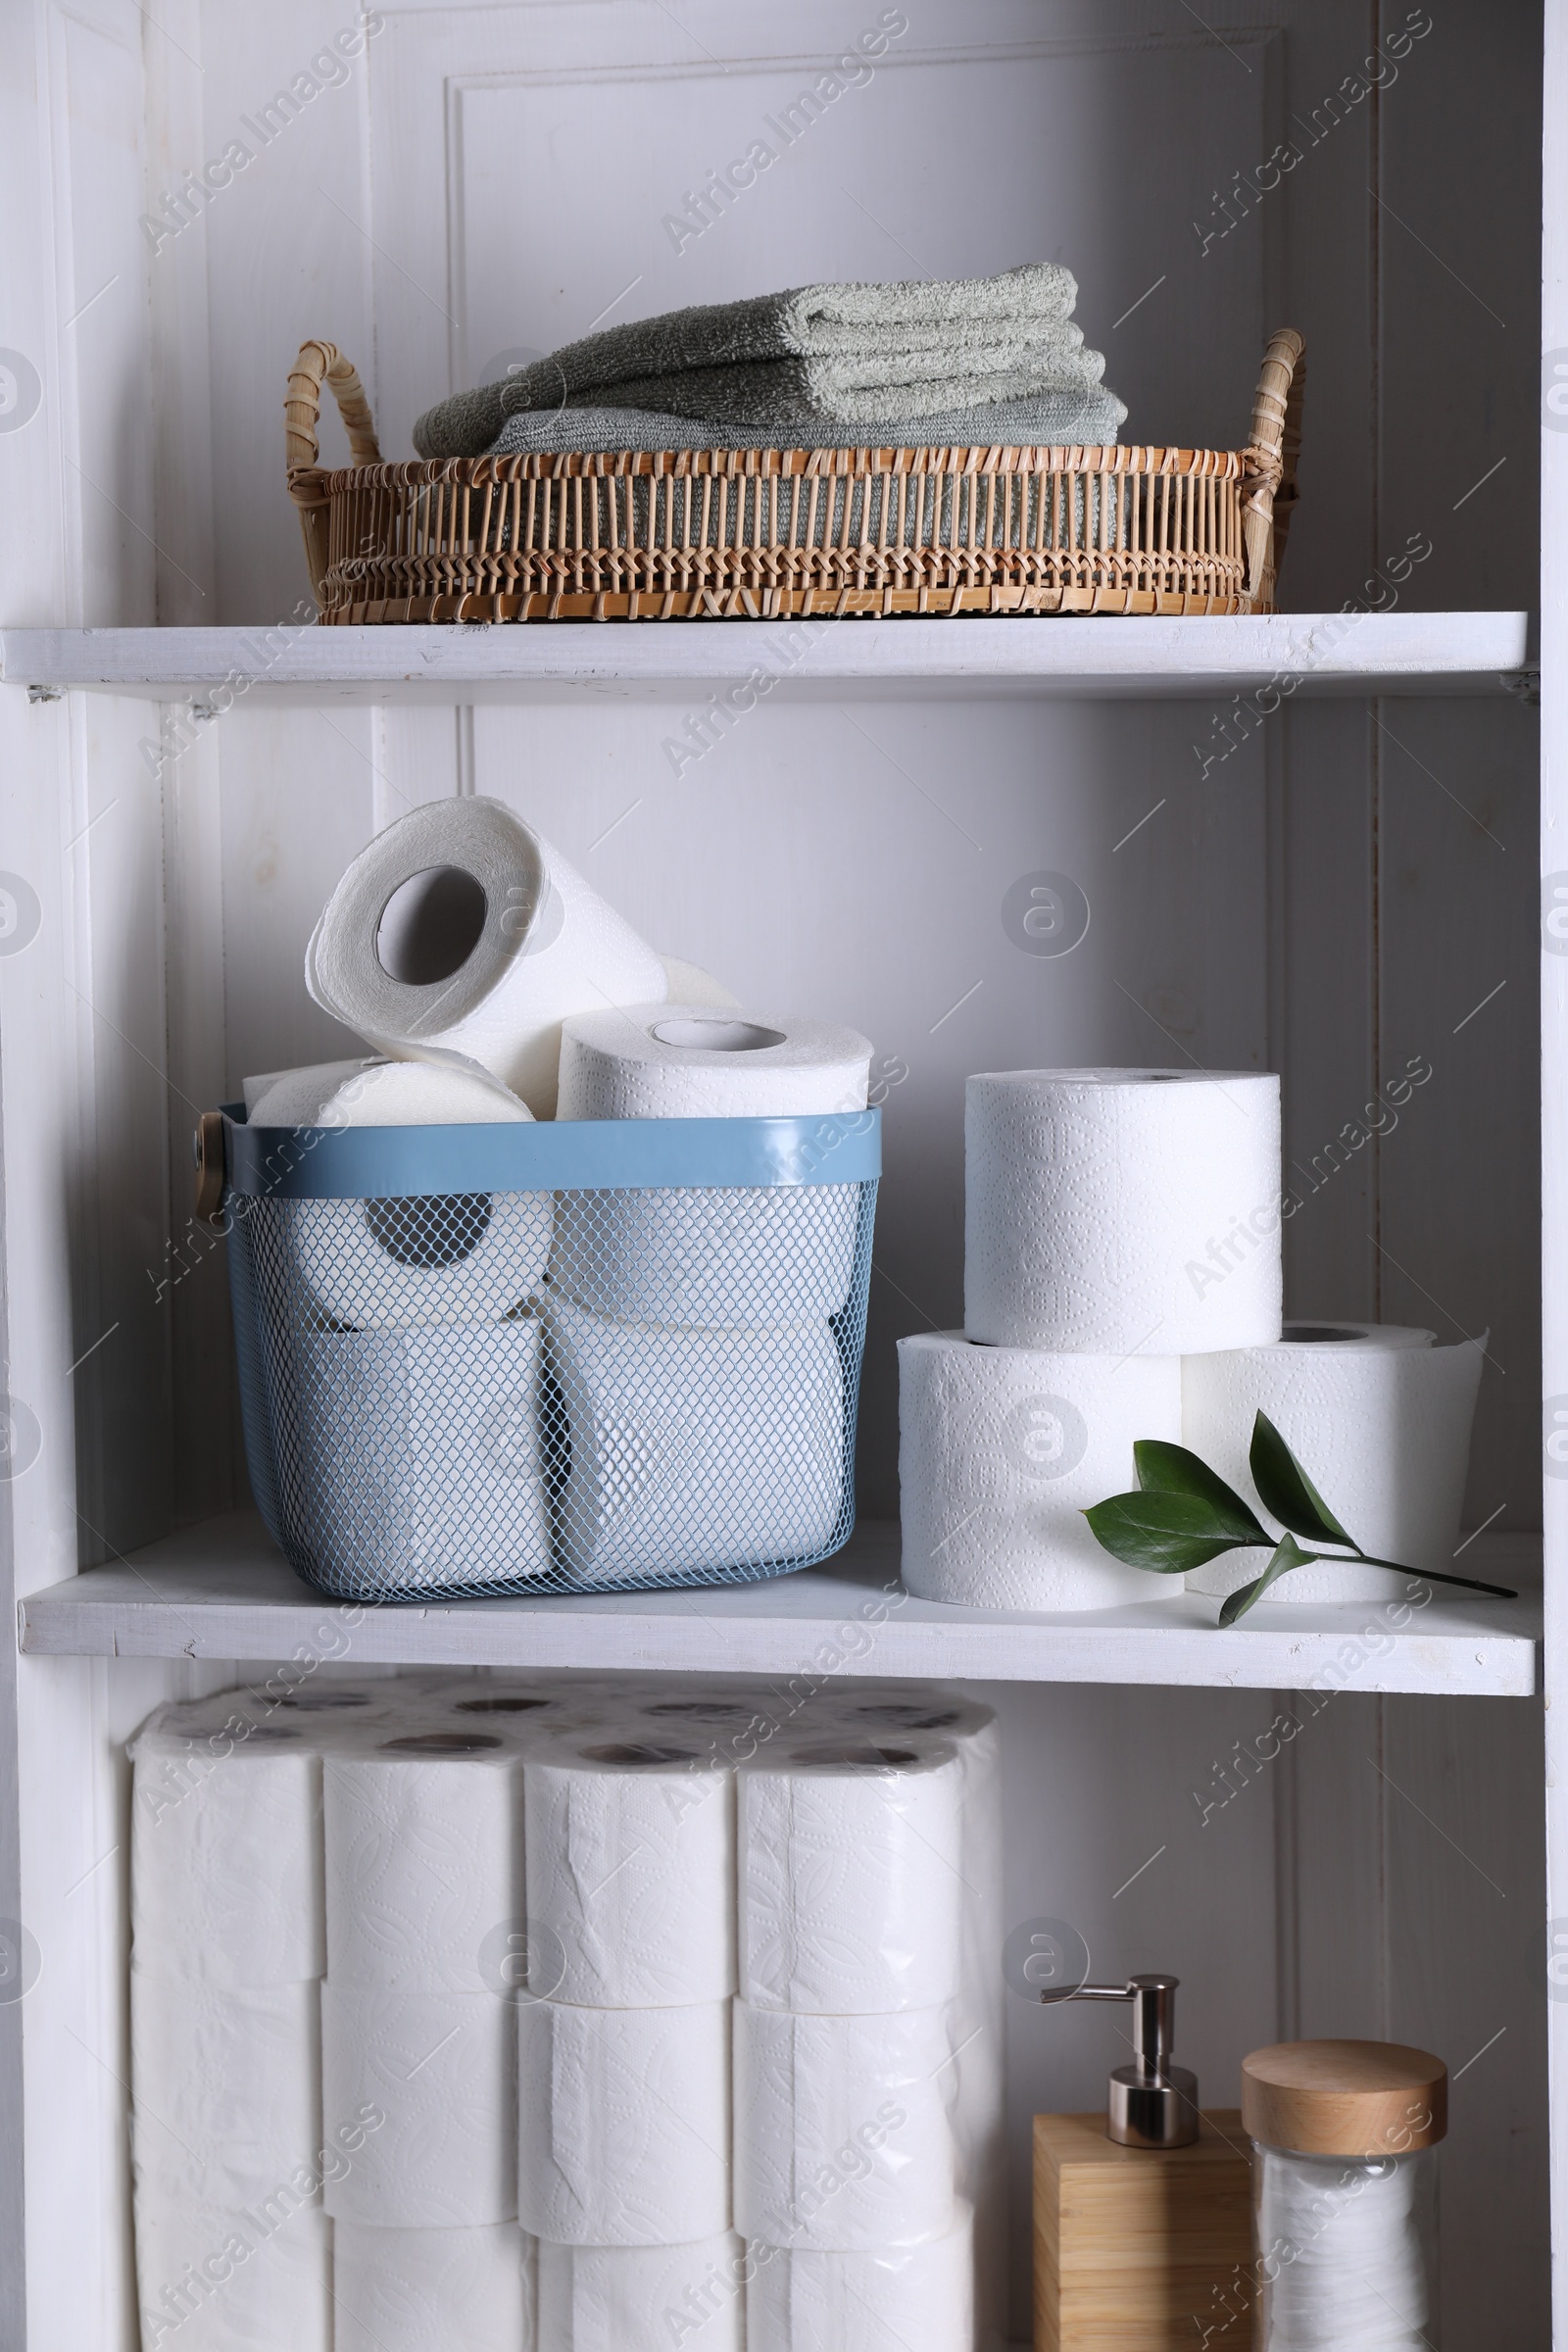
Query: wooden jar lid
(1345,2098)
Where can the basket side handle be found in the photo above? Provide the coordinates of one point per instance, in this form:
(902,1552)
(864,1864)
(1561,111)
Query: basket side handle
(318,363)
(1269,465)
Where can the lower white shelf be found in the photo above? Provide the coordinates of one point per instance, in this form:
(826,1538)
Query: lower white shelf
(222,1590)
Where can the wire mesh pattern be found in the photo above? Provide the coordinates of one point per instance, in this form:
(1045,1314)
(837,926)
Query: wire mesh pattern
(490,1392)
(767,533)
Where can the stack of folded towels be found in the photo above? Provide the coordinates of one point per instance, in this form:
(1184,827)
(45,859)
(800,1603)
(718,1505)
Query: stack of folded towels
(972,362)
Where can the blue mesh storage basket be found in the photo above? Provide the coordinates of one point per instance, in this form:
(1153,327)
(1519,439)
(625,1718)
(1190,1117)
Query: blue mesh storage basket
(579,1357)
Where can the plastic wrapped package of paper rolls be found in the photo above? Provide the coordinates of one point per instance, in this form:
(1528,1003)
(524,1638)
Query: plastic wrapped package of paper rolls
(436,2042)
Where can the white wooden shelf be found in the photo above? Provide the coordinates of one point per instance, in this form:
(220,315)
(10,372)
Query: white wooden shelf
(1326,653)
(222,1590)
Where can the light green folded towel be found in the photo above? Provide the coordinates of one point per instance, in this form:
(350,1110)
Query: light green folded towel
(853,355)
(1050,420)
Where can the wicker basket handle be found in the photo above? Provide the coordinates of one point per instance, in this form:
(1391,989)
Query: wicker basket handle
(318,363)
(1269,478)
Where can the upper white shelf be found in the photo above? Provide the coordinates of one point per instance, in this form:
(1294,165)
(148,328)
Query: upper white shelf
(1311,653)
(222,1591)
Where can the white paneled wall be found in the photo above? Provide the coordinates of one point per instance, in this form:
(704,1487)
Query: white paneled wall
(1332,898)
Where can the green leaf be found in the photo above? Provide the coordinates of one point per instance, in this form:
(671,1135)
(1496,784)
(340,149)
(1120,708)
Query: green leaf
(1288,1553)
(1288,1491)
(1166,1534)
(1165,1469)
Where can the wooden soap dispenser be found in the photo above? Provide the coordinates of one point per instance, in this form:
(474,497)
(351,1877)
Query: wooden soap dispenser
(1143,2221)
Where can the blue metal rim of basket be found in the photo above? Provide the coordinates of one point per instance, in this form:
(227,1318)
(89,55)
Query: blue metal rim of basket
(390,1163)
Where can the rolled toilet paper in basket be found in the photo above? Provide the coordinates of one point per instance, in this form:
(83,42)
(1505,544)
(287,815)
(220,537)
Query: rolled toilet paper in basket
(630,1846)
(843,2134)
(225,1853)
(643,2299)
(381,1094)
(624,2123)
(432,2290)
(1380,1420)
(1116,1212)
(851,1873)
(396,1265)
(416,1455)
(459,935)
(882,2300)
(423,1846)
(754,1255)
(1001,1452)
(695,1450)
(268,2271)
(427,2078)
(226,2086)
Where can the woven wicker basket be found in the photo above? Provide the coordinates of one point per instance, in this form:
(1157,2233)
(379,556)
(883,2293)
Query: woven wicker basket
(750,535)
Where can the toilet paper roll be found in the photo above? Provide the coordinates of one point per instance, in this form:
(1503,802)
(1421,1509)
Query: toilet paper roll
(682,1062)
(460,936)
(694,1451)
(851,1874)
(748,1257)
(381,1094)
(630,1846)
(438,2069)
(643,2299)
(1379,1419)
(226,2086)
(1116,1212)
(386,1265)
(843,2134)
(423,1860)
(1001,1452)
(625,2123)
(212,2279)
(433,2291)
(225,1856)
(689,984)
(887,2299)
(417,1453)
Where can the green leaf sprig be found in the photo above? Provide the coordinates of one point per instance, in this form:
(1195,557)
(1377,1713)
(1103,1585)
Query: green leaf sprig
(1183,1514)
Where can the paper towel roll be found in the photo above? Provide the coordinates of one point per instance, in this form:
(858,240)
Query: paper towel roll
(643,2299)
(625,2123)
(695,1450)
(385,1265)
(382,1094)
(226,2086)
(215,2281)
(1379,1419)
(689,984)
(1118,1212)
(438,2068)
(851,1874)
(424,1861)
(630,1846)
(432,2290)
(682,1062)
(256,1089)
(888,2299)
(225,1868)
(419,1452)
(1001,1452)
(843,2134)
(459,935)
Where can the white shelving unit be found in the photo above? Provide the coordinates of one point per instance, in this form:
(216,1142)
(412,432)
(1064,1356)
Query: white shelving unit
(1282,654)
(1305,838)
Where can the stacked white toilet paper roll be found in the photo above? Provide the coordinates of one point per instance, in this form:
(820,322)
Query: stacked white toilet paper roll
(460,936)
(690,1336)
(1115,1220)
(623,2168)
(1379,1416)
(852,1847)
(228,1947)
